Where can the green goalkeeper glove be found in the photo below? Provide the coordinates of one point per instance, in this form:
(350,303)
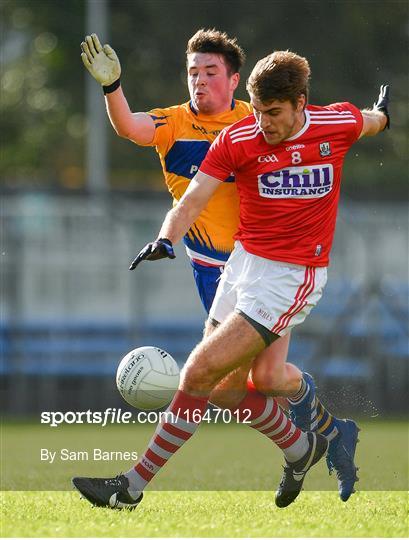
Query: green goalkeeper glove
(101,62)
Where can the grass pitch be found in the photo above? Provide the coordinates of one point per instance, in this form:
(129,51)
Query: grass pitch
(207,514)
(222,483)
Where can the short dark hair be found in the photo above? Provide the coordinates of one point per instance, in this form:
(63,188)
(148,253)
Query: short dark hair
(282,76)
(214,41)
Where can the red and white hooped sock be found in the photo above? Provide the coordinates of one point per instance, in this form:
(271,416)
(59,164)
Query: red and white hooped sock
(171,433)
(268,418)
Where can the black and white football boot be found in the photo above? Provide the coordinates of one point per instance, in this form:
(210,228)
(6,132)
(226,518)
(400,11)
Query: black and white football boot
(109,492)
(294,472)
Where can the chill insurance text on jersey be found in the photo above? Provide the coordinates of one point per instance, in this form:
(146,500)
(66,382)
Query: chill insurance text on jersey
(288,192)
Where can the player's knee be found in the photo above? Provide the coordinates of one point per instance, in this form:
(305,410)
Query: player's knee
(283,380)
(198,377)
(267,378)
(197,381)
(263,382)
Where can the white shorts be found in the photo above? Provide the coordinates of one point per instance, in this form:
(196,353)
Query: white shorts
(275,294)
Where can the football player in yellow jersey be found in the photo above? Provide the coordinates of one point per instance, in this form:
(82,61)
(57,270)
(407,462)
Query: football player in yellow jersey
(182,134)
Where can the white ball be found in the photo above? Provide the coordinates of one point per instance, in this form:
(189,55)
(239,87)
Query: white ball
(147,378)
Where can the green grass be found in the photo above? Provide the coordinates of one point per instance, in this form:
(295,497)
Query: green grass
(207,514)
(222,483)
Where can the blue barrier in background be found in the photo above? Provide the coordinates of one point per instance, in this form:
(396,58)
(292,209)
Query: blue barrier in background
(86,347)
(337,338)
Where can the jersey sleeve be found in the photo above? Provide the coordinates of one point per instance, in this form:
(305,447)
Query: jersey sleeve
(353,130)
(218,162)
(164,120)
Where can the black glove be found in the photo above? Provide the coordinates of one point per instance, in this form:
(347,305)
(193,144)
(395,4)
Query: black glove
(383,102)
(160,249)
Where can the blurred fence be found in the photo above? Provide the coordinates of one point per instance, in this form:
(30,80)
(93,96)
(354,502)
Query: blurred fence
(70,309)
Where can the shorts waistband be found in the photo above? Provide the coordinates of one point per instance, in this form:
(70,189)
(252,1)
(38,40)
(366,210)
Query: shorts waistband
(278,263)
(288,265)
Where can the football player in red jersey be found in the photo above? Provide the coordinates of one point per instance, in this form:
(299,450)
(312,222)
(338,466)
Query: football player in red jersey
(276,273)
(287,158)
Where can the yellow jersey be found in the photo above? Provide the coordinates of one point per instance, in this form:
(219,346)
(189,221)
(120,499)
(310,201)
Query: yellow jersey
(182,138)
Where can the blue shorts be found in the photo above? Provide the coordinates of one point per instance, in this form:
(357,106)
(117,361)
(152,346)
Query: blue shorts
(207,279)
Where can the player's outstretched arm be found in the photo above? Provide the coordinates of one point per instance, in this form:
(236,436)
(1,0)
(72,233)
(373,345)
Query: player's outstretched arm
(377,119)
(179,220)
(103,64)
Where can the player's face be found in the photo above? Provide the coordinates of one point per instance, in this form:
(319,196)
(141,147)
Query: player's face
(211,86)
(278,120)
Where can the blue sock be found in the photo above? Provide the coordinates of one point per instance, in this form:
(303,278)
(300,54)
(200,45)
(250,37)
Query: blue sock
(321,420)
(326,423)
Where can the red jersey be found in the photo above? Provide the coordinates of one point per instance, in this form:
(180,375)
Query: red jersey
(288,192)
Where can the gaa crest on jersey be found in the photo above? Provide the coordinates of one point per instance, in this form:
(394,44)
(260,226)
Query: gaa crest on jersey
(325,149)
(297,182)
(272,158)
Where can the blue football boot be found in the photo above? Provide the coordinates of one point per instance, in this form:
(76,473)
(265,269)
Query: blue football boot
(341,450)
(340,457)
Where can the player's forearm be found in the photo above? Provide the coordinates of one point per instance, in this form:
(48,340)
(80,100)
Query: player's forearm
(179,220)
(377,119)
(137,127)
(374,121)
